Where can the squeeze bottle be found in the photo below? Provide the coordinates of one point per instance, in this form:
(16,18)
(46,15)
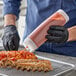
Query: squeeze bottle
(37,37)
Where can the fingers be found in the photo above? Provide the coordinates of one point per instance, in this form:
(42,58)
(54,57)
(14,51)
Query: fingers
(16,44)
(53,39)
(16,41)
(5,44)
(10,38)
(61,28)
(55,33)
(11,45)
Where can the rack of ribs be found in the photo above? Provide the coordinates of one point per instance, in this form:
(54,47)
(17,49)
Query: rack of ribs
(24,60)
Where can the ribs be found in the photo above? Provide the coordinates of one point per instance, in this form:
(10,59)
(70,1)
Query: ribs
(14,55)
(34,65)
(24,60)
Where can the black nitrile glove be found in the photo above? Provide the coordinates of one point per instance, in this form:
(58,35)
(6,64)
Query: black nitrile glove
(57,34)
(10,38)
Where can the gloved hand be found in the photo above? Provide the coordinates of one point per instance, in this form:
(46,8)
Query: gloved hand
(57,34)
(10,38)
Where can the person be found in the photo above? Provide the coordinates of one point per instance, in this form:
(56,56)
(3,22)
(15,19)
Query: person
(60,40)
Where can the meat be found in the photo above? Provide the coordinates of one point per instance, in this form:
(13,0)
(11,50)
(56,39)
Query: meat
(14,55)
(27,64)
(24,61)
(34,64)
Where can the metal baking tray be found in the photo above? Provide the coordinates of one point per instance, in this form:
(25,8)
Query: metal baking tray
(3,74)
(59,68)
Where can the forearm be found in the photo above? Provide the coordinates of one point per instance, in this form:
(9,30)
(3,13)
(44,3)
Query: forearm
(72,33)
(9,19)
(11,7)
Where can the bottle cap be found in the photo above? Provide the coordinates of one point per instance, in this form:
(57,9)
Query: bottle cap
(62,12)
(29,45)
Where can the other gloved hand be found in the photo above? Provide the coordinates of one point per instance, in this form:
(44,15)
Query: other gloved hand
(10,38)
(57,34)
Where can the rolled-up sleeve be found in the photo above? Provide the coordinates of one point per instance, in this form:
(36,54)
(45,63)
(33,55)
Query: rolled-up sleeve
(11,7)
